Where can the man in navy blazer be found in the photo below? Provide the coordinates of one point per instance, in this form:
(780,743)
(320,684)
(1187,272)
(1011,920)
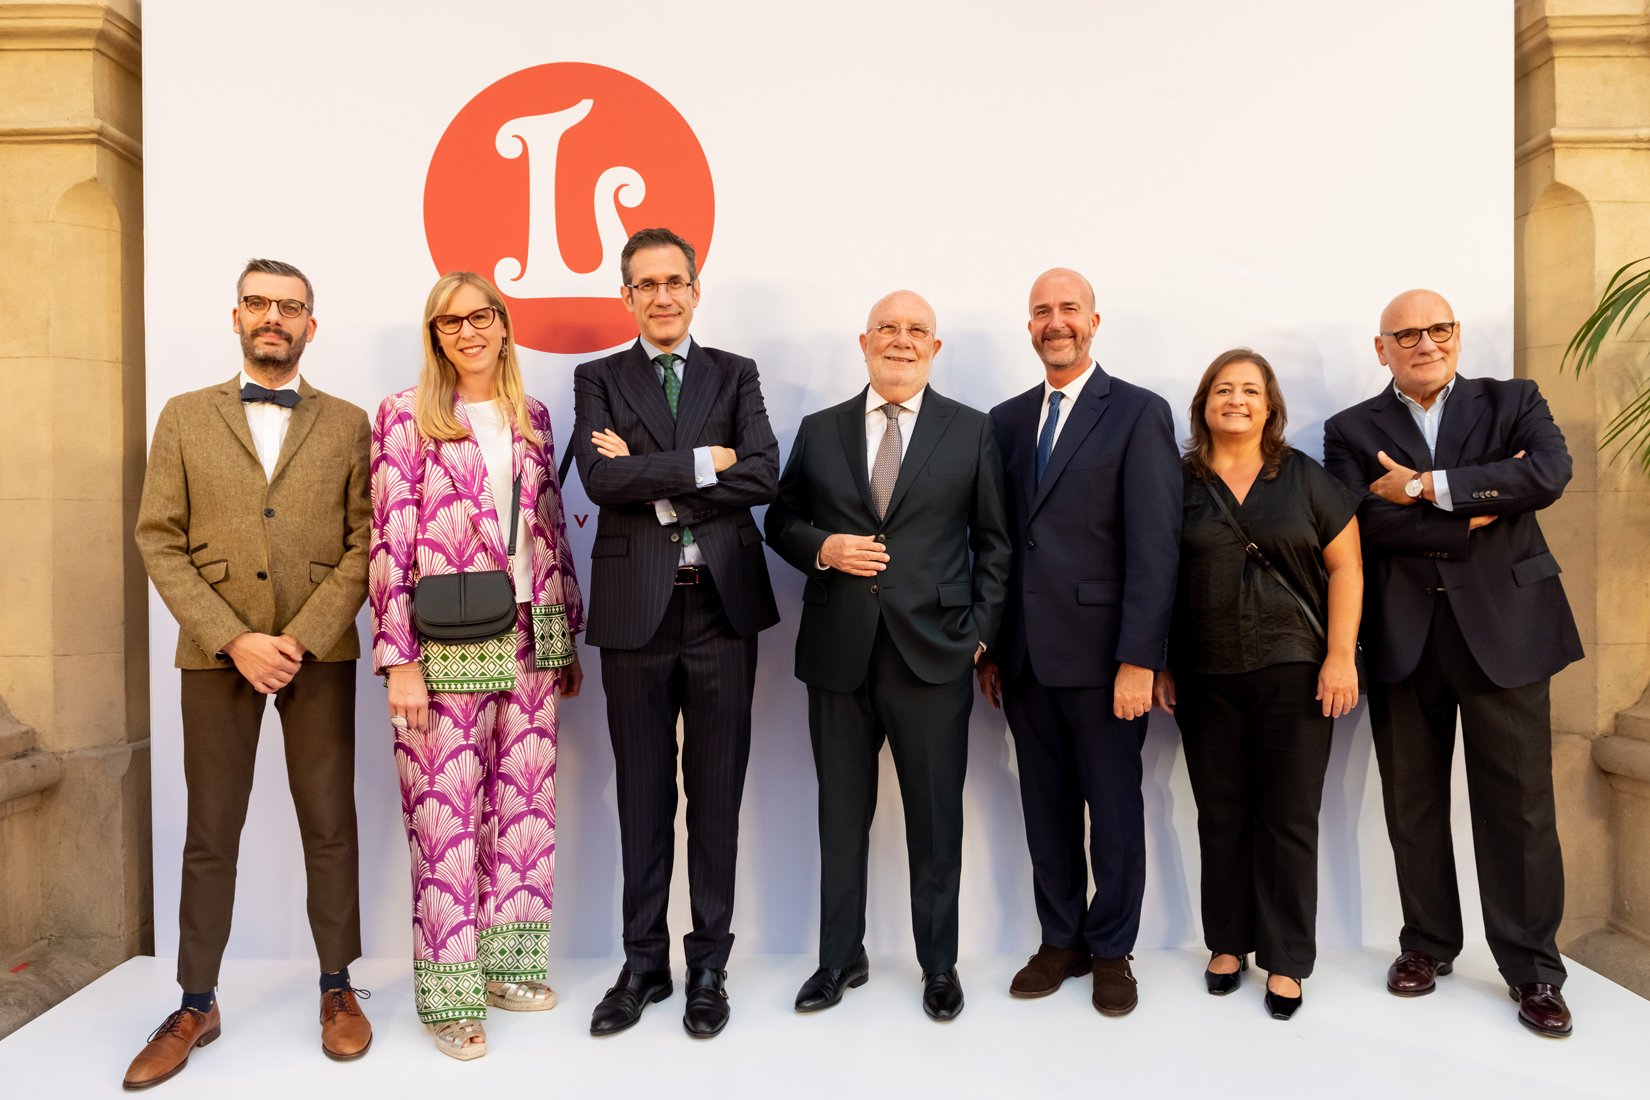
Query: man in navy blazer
(1094,492)
(673,444)
(1463,612)
(891,505)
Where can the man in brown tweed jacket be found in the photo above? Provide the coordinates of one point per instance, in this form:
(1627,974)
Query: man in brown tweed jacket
(254,528)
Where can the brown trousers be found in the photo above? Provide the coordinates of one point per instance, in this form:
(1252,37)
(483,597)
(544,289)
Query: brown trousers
(221,716)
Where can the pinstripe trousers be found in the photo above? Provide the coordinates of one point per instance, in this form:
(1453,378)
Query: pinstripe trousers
(697,667)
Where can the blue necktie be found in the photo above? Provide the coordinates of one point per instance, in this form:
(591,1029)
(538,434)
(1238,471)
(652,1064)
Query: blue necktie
(1045,440)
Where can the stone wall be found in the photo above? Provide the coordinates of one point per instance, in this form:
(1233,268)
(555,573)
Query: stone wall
(1582,202)
(74,760)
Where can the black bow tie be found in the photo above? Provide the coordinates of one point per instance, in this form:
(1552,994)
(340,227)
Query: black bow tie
(252,392)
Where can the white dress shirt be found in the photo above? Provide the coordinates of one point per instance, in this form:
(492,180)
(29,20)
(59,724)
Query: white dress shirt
(1071,391)
(876,422)
(498,447)
(268,423)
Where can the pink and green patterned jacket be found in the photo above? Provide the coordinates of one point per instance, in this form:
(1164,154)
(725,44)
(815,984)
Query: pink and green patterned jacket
(433,513)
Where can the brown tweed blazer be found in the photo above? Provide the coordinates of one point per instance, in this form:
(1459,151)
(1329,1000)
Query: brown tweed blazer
(231,551)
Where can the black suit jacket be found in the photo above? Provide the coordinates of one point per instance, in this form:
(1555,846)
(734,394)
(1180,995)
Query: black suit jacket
(1097,542)
(634,557)
(946,506)
(1502,581)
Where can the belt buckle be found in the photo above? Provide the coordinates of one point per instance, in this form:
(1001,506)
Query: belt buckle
(687,575)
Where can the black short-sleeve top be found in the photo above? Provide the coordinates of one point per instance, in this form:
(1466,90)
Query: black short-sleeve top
(1230,614)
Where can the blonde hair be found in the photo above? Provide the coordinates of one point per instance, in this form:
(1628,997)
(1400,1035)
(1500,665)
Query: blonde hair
(433,405)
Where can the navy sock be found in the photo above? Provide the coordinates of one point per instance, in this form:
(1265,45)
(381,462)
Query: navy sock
(339,980)
(200,1002)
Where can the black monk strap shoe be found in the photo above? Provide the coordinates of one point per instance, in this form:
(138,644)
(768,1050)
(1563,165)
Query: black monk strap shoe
(826,986)
(707,1002)
(623,1004)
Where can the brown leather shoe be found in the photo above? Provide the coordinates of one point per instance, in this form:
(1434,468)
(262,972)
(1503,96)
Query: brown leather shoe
(1415,974)
(170,1044)
(1541,1008)
(1048,968)
(345,1032)
(1115,992)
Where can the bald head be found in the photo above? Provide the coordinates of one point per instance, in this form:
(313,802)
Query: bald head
(899,360)
(1062,323)
(1422,370)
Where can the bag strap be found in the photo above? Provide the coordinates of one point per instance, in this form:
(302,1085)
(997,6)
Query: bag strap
(515,518)
(1253,551)
(566,461)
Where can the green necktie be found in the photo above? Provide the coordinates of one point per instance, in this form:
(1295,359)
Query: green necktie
(673,383)
(673,395)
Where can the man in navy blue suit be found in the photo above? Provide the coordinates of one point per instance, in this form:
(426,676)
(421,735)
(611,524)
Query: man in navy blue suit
(1463,614)
(1094,493)
(673,444)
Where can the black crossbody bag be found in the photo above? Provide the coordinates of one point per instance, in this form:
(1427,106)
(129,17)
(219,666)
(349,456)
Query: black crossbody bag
(469,607)
(1259,559)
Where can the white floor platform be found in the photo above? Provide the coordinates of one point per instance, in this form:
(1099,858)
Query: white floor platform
(1351,1039)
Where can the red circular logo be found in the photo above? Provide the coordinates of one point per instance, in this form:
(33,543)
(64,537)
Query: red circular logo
(540,179)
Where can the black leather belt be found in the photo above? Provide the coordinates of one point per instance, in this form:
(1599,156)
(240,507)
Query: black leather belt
(691,574)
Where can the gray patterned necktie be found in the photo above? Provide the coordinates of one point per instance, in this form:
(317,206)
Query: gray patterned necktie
(885,471)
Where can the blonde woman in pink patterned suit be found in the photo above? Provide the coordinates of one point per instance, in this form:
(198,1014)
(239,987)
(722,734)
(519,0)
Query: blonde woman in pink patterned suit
(477,768)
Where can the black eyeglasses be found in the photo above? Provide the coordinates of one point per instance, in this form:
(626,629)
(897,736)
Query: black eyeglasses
(1409,337)
(674,286)
(452,322)
(258,304)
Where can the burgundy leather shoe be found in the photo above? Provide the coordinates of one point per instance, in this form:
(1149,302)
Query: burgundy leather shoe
(1048,968)
(170,1045)
(1541,1008)
(1415,974)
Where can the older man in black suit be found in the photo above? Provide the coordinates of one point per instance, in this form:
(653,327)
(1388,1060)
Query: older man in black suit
(1463,613)
(1094,492)
(673,444)
(892,505)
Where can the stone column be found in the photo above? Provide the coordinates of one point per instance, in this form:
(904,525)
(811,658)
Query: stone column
(1582,179)
(73,626)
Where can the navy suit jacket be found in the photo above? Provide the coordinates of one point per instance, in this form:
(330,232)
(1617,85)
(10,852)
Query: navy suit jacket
(1502,581)
(945,530)
(633,560)
(1097,542)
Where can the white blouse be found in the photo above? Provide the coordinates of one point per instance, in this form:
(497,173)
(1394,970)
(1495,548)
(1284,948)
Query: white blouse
(497,450)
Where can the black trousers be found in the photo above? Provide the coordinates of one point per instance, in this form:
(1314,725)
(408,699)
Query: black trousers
(1073,752)
(1257,747)
(697,668)
(1509,760)
(926,727)
(222,714)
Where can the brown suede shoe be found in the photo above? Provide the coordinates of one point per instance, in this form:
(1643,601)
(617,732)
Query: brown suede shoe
(1541,1008)
(170,1045)
(1415,974)
(345,1032)
(1115,992)
(1048,968)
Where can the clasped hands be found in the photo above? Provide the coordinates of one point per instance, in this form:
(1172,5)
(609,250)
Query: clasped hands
(268,661)
(608,444)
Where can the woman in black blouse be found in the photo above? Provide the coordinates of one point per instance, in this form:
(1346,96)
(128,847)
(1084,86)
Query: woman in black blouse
(1258,684)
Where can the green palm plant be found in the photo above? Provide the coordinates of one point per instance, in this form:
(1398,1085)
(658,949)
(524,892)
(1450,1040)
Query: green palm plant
(1629,429)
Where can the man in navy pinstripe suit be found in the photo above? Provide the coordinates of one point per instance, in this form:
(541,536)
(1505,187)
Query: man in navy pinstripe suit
(673,445)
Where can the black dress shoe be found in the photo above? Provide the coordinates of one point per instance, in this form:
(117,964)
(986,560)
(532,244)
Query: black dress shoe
(1222,984)
(707,1002)
(942,996)
(623,1004)
(1281,1007)
(825,987)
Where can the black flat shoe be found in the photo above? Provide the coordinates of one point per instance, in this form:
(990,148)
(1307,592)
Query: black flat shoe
(1281,1007)
(707,1002)
(1222,984)
(623,1004)
(942,995)
(826,985)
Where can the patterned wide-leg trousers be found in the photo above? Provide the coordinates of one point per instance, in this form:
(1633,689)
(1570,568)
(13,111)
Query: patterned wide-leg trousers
(478,797)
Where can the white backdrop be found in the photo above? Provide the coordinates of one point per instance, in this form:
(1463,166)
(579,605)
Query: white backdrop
(1265,174)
